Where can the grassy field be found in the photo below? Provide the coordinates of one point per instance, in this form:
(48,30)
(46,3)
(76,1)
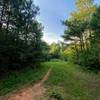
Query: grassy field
(69,82)
(18,80)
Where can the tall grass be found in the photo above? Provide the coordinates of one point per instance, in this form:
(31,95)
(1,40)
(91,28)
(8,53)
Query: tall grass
(72,82)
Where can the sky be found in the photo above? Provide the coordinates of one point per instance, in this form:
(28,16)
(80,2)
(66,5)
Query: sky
(52,12)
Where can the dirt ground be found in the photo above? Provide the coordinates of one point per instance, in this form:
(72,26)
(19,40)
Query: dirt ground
(29,93)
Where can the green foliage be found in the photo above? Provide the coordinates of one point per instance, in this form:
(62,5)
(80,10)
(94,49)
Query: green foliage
(56,96)
(55,50)
(55,60)
(71,82)
(93,55)
(68,54)
(64,55)
(20,34)
(83,28)
(89,60)
(17,80)
(45,52)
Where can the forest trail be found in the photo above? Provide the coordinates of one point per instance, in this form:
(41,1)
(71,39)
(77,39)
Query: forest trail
(30,93)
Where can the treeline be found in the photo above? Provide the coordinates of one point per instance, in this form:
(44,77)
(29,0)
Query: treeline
(20,34)
(83,32)
(56,51)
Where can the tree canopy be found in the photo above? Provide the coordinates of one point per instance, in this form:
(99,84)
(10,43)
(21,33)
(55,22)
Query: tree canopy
(83,25)
(20,33)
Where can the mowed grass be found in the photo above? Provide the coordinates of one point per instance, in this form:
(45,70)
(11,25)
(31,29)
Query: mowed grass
(70,82)
(17,80)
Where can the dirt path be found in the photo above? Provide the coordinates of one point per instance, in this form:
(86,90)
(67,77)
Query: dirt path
(30,93)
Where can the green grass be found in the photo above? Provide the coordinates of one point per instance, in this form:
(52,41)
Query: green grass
(67,81)
(71,82)
(16,81)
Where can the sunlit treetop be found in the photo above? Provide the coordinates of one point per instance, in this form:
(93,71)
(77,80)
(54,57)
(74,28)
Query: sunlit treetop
(85,8)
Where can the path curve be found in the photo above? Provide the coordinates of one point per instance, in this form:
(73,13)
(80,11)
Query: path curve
(30,93)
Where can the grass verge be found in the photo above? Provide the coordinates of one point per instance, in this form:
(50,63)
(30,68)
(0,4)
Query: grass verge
(16,81)
(70,82)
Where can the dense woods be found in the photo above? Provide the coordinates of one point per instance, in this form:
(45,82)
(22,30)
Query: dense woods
(20,34)
(32,67)
(83,30)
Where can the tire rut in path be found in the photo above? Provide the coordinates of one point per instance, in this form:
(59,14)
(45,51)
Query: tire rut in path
(30,93)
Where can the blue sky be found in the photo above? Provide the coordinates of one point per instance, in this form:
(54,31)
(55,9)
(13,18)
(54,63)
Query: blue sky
(51,14)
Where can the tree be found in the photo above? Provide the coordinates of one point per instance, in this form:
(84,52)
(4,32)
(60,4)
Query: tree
(45,51)
(20,33)
(55,50)
(95,38)
(82,28)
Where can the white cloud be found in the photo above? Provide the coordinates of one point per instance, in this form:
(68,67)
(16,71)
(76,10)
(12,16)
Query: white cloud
(51,37)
